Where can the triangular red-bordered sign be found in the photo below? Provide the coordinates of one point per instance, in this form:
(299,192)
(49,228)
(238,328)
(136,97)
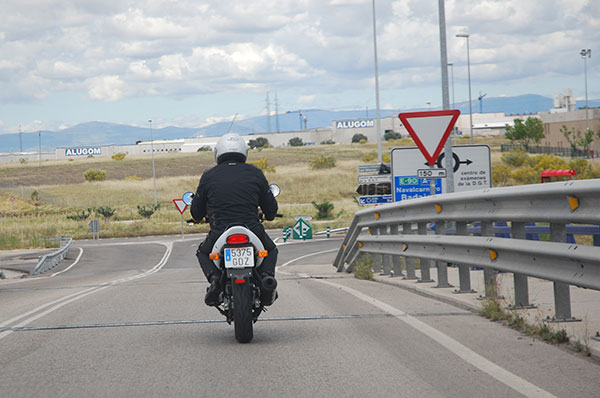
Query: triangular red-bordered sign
(180,204)
(430,130)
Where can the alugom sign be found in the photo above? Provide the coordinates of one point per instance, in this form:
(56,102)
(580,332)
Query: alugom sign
(354,124)
(84,151)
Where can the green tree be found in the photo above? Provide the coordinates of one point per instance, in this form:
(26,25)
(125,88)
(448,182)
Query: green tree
(296,141)
(260,142)
(578,139)
(358,138)
(532,131)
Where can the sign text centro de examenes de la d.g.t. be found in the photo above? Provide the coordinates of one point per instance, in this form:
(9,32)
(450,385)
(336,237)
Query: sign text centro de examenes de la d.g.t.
(83,151)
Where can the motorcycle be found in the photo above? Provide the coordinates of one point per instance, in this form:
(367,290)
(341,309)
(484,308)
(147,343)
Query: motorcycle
(238,252)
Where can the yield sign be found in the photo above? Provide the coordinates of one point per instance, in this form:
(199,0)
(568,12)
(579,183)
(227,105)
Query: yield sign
(180,204)
(430,130)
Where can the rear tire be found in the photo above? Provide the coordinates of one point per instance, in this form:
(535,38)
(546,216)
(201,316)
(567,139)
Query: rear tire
(242,312)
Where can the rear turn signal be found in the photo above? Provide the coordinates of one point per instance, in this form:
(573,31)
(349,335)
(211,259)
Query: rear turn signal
(263,253)
(214,256)
(237,239)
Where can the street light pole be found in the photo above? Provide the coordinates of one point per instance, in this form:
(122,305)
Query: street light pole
(466,35)
(451,65)
(378,114)
(153,169)
(585,54)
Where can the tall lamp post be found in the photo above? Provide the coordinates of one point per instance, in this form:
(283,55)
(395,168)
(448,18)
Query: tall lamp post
(585,54)
(466,35)
(451,65)
(300,117)
(377,110)
(153,169)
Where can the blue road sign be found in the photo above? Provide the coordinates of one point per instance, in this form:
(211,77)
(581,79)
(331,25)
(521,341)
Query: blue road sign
(410,187)
(374,200)
(187,198)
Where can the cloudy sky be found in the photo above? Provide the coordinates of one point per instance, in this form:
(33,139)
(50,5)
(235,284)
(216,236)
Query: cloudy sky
(193,62)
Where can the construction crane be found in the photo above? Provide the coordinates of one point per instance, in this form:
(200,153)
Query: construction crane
(480,98)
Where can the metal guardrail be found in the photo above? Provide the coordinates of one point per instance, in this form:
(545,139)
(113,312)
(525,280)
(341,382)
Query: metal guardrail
(403,231)
(50,261)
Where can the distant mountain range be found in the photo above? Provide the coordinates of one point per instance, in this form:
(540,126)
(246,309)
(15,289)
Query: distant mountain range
(101,133)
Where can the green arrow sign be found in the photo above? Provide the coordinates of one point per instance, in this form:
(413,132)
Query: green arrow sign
(302,230)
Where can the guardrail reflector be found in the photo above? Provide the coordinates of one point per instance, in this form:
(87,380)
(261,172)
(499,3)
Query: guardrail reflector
(438,208)
(404,247)
(360,244)
(377,216)
(573,202)
(493,255)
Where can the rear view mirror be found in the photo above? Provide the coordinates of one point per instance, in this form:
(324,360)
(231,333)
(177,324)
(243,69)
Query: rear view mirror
(275,190)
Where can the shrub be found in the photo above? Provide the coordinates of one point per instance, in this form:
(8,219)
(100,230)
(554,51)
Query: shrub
(105,211)
(80,215)
(526,175)
(22,160)
(328,142)
(516,158)
(264,165)
(372,157)
(322,162)
(363,268)
(391,135)
(95,175)
(358,138)
(296,141)
(204,148)
(133,178)
(501,175)
(324,210)
(584,169)
(148,211)
(119,156)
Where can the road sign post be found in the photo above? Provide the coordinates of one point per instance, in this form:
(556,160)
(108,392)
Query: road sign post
(287,231)
(181,206)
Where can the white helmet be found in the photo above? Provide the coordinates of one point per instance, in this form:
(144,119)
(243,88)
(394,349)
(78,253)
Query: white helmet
(231,143)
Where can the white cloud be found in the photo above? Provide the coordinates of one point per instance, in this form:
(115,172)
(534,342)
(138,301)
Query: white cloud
(106,88)
(114,50)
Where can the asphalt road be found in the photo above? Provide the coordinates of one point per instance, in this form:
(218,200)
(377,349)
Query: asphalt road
(127,319)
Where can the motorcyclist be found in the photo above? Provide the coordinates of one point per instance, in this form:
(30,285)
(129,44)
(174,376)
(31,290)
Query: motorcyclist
(230,194)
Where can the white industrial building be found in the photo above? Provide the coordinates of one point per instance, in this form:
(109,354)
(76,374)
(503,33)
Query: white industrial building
(341,131)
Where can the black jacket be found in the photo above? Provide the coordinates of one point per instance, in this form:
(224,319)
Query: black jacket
(230,193)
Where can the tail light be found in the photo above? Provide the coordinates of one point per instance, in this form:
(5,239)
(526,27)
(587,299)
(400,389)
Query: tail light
(236,239)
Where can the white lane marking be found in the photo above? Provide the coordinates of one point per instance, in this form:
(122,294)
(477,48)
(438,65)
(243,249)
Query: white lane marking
(502,375)
(307,255)
(72,265)
(76,296)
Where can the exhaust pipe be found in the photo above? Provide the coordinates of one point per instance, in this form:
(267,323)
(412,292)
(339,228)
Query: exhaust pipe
(269,283)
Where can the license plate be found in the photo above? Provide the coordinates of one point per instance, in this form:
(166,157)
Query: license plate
(239,257)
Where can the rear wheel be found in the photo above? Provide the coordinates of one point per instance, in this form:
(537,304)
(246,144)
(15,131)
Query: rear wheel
(242,312)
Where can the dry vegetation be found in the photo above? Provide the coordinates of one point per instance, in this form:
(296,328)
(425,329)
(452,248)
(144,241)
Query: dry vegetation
(63,191)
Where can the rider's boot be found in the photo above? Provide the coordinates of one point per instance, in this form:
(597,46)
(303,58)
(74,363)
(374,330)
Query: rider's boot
(268,292)
(212,292)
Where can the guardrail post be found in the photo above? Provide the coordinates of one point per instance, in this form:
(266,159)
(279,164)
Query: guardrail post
(425,263)
(386,258)
(464,272)
(489,274)
(520,280)
(396,260)
(562,293)
(376,257)
(442,266)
